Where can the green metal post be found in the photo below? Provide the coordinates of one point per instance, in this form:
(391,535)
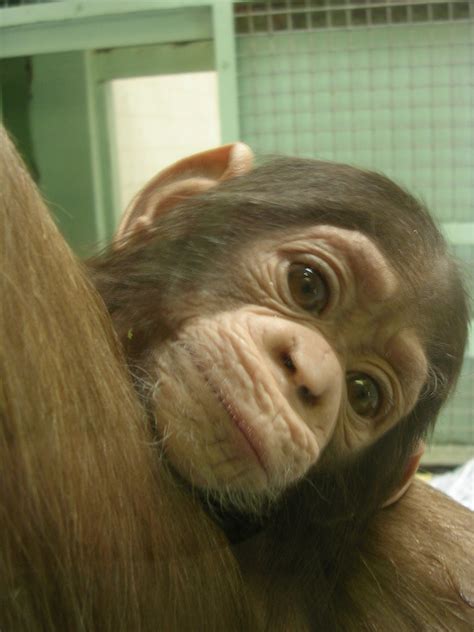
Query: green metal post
(224,47)
(66,143)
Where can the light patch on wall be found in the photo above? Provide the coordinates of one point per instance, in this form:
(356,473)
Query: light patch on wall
(159,120)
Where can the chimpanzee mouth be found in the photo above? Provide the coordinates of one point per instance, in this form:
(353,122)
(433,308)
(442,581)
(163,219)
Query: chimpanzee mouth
(245,429)
(251,440)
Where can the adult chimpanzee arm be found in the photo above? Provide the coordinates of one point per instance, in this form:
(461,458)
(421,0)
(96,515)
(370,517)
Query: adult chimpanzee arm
(93,536)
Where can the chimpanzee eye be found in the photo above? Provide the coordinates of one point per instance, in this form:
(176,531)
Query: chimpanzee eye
(364,394)
(308,288)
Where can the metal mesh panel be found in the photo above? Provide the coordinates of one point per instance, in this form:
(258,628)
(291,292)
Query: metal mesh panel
(455,424)
(396,99)
(383,85)
(297,15)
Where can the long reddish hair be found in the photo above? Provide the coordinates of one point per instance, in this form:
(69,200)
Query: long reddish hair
(93,535)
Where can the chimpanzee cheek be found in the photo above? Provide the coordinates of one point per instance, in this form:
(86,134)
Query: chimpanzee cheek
(225,382)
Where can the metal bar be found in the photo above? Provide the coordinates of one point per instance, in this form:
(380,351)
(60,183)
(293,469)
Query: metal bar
(105,31)
(81,9)
(224,49)
(103,157)
(159,59)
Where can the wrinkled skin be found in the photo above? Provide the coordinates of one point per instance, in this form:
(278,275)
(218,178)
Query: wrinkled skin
(249,398)
(286,325)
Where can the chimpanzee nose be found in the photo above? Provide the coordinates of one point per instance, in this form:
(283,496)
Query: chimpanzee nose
(306,396)
(288,361)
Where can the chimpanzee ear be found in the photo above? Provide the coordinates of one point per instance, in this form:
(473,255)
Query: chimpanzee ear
(187,177)
(410,471)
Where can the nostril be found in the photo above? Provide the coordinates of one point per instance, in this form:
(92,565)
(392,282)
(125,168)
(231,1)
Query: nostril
(288,362)
(306,396)
(304,393)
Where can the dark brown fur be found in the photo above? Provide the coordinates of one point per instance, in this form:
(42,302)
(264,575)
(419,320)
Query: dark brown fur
(411,571)
(193,246)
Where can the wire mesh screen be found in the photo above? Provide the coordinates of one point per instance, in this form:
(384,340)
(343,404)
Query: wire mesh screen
(384,85)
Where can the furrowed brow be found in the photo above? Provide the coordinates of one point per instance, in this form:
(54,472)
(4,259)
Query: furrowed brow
(375,279)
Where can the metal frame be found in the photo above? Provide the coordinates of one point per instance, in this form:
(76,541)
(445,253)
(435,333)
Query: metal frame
(52,30)
(138,61)
(101,30)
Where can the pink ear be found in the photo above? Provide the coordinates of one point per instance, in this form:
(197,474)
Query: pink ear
(187,177)
(410,471)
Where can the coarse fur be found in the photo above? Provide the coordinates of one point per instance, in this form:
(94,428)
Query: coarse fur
(90,524)
(190,251)
(95,534)
(410,572)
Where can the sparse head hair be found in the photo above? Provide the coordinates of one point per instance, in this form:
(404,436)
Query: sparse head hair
(190,244)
